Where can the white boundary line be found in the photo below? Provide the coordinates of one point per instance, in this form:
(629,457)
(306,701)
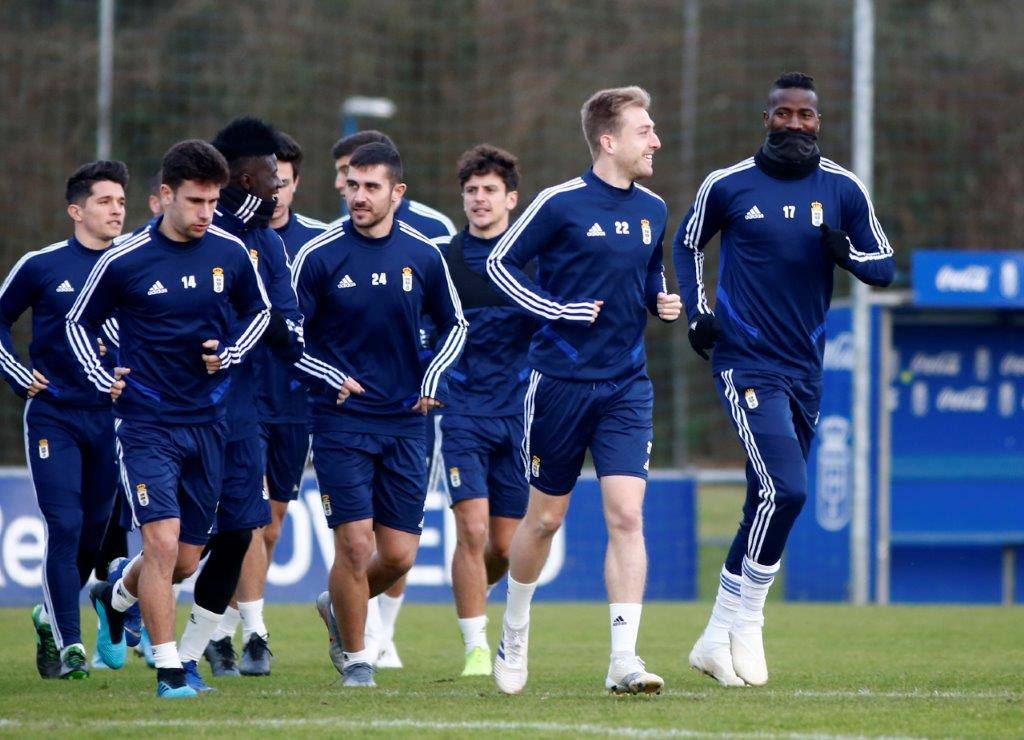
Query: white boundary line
(409,724)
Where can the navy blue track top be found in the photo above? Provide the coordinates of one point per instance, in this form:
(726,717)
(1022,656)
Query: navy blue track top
(169,298)
(775,274)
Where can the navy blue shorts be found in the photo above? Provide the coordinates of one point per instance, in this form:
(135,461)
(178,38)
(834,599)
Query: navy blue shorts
(614,419)
(371,476)
(173,472)
(483,459)
(287,447)
(244,503)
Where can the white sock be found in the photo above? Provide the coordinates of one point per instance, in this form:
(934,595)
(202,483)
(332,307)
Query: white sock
(165,655)
(200,627)
(517,608)
(389,608)
(723,613)
(757,579)
(625,625)
(252,619)
(373,629)
(474,632)
(228,624)
(363,656)
(122,599)
(44,616)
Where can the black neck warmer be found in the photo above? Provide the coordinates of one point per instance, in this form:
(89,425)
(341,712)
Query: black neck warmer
(788,155)
(253,212)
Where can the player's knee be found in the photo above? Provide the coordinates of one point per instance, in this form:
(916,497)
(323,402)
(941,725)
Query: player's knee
(625,520)
(472,534)
(65,529)
(397,561)
(162,547)
(272,533)
(791,495)
(355,552)
(546,523)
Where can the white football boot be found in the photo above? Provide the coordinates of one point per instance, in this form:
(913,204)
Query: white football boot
(510,660)
(628,675)
(714,661)
(747,646)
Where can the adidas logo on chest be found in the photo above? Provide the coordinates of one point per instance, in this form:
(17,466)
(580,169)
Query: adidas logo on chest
(347,282)
(156,288)
(595,230)
(753,213)
(65,287)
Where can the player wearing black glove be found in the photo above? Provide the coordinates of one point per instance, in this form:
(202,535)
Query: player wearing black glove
(704,332)
(838,244)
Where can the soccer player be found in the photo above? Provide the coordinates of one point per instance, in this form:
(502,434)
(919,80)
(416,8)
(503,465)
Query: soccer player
(244,210)
(482,426)
(788,217)
(190,305)
(439,229)
(283,411)
(364,286)
(69,433)
(598,244)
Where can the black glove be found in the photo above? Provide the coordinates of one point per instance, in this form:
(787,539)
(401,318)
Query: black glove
(704,332)
(277,336)
(838,244)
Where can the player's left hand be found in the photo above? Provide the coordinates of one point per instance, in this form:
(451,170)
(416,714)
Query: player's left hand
(103,347)
(212,361)
(669,306)
(838,244)
(426,403)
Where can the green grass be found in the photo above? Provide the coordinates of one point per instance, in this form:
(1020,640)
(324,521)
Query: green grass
(835,670)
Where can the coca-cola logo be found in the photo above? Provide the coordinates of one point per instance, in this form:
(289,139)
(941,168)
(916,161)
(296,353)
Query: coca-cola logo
(1012,365)
(839,352)
(972,399)
(970,279)
(942,363)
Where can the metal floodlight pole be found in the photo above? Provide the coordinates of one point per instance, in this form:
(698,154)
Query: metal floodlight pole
(863,166)
(688,127)
(105,78)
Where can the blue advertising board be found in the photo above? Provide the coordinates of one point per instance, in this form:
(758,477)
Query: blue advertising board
(299,572)
(968,279)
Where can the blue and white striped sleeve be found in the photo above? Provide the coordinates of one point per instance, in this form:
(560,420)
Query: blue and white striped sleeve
(94,305)
(871,255)
(702,222)
(16,295)
(445,309)
(314,372)
(527,238)
(250,301)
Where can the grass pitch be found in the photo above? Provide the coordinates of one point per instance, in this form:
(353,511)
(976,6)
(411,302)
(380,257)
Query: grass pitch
(835,671)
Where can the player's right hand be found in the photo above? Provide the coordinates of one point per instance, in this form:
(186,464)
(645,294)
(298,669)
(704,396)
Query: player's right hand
(118,387)
(597,310)
(350,386)
(39,383)
(704,332)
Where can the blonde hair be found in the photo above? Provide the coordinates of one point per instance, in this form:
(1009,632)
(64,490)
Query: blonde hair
(601,113)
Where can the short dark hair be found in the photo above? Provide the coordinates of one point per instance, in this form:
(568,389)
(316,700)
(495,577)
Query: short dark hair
(194,159)
(792,79)
(79,185)
(246,137)
(288,150)
(484,159)
(348,144)
(376,153)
